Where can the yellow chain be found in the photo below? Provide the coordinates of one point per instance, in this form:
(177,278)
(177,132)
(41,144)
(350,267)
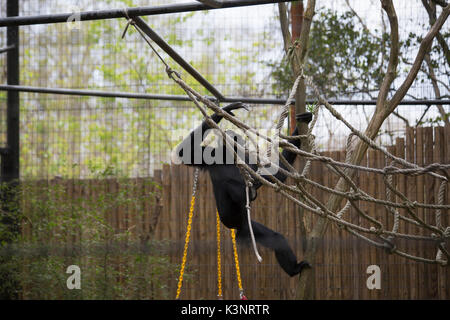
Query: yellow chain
(236,261)
(186,244)
(219,259)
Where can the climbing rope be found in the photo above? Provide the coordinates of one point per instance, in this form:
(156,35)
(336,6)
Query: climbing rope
(250,227)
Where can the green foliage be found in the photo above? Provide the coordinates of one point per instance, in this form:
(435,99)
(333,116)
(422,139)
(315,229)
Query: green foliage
(437,55)
(343,57)
(60,227)
(434,120)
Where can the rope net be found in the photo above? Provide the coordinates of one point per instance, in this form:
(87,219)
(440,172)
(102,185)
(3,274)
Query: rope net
(376,233)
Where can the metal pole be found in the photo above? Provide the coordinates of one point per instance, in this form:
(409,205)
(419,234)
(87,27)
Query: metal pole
(212,3)
(10,163)
(170,97)
(95,93)
(175,56)
(137,11)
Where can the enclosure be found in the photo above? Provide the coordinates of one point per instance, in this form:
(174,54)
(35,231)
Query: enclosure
(88,120)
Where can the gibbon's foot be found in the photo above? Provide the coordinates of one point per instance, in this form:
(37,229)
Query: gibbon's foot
(303,265)
(304,117)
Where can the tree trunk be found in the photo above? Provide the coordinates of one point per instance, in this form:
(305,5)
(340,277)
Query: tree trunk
(384,108)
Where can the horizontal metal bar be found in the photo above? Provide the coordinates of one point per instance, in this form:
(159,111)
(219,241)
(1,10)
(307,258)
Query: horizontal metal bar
(94,93)
(6,49)
(168,97)
(212,3)
(140,23)
(119,13)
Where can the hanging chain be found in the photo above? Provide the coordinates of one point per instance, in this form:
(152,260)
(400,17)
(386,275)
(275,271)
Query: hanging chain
(188,234)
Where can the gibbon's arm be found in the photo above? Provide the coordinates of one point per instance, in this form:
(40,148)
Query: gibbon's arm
(288,155)
(190,151)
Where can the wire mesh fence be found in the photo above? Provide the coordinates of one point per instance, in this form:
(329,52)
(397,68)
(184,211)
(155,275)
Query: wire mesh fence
(240,51)
(235,49)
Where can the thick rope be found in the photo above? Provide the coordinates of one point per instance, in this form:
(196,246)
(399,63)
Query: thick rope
(249,219)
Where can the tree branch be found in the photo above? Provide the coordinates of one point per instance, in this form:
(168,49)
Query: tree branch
(424,47)
(442,3)
(383,109)
(431,10)
(429,75)
(437,92)
(391,71)
(284,24)
(357,16)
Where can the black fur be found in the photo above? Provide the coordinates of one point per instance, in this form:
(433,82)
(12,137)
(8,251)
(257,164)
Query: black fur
(229,191)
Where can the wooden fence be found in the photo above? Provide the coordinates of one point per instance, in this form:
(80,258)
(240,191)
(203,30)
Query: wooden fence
(341,266)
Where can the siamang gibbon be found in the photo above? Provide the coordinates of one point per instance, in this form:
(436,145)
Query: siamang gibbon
(230,189)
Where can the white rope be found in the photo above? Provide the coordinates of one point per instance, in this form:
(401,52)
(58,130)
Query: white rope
(255,249)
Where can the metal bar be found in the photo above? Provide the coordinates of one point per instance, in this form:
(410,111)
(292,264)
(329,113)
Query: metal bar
(119,13)
(140,23)
(9,171)
(5,49)
(10,162)
(212,3)
(167,97)
(95,93)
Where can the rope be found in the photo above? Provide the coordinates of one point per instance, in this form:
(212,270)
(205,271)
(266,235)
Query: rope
(249,184)
(249,219)
(130,21)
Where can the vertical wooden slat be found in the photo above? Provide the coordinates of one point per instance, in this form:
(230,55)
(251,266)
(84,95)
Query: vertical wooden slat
(336,245)
(361,247)
(420,211)
(404,227)
(381,256)
(167,210)
(372,257)
(411,183)
(392,269)
(328,250)
(446,160)
(429,197)
(439,157)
